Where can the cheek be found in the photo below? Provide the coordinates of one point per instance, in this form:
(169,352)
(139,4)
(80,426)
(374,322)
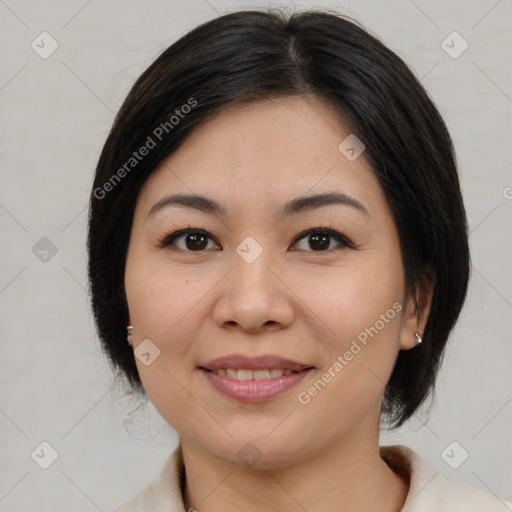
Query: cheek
(162,308)
(360,308)
(158,300)
(351,299)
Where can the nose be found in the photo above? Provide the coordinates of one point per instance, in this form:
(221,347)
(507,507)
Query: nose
(254,296)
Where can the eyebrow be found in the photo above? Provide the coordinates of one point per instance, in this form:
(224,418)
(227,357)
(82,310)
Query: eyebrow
(297,205)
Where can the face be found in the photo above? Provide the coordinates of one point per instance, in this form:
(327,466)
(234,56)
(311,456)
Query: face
(259,318)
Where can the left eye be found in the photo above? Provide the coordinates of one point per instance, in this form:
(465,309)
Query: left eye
(196,240)
(321,239)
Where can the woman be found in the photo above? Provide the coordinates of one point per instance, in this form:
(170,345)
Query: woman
(277,255)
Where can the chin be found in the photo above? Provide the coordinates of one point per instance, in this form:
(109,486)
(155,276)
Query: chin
(259,450)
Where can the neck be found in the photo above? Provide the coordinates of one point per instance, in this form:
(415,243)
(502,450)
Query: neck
(349,476)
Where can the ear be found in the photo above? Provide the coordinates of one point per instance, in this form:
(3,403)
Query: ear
(418,309)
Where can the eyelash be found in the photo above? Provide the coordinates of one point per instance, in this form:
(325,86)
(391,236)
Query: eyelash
(169,239)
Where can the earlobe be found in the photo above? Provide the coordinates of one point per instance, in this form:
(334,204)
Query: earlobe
(129,335)
(417,312)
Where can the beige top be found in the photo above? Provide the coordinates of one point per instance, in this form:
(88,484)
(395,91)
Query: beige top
(429,490)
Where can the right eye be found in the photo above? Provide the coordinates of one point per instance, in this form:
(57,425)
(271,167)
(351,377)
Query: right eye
(190,240)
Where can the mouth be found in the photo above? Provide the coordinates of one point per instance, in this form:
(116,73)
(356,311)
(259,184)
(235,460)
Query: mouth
(247,374)
(254,380)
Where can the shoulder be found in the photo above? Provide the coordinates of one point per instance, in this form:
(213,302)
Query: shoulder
(430,491)
(162,494)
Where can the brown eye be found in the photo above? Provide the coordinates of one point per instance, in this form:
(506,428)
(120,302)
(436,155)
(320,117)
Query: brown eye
(320,239)
(196,240)
(190,240)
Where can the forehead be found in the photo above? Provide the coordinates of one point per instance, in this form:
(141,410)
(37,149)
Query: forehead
(285,131)
(264,151)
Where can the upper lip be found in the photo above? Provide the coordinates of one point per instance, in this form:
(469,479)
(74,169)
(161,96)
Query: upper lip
(240,361)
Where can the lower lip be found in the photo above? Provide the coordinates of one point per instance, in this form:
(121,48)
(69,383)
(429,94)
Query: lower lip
(254,391)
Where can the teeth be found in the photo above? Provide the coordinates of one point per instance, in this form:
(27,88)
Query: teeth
(261,374)
(243,374)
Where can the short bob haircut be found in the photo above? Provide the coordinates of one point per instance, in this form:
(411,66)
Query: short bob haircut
(266,54)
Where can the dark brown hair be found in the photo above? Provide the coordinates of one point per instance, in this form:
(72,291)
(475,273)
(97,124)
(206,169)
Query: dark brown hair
(262,54)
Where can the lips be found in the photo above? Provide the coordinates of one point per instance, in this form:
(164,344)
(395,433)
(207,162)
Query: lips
(246,374)
(263,362)
(256,379)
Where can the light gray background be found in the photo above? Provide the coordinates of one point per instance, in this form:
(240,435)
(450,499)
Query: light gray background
(55,114)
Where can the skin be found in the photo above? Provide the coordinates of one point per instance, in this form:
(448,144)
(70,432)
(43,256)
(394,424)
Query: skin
(295,300)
